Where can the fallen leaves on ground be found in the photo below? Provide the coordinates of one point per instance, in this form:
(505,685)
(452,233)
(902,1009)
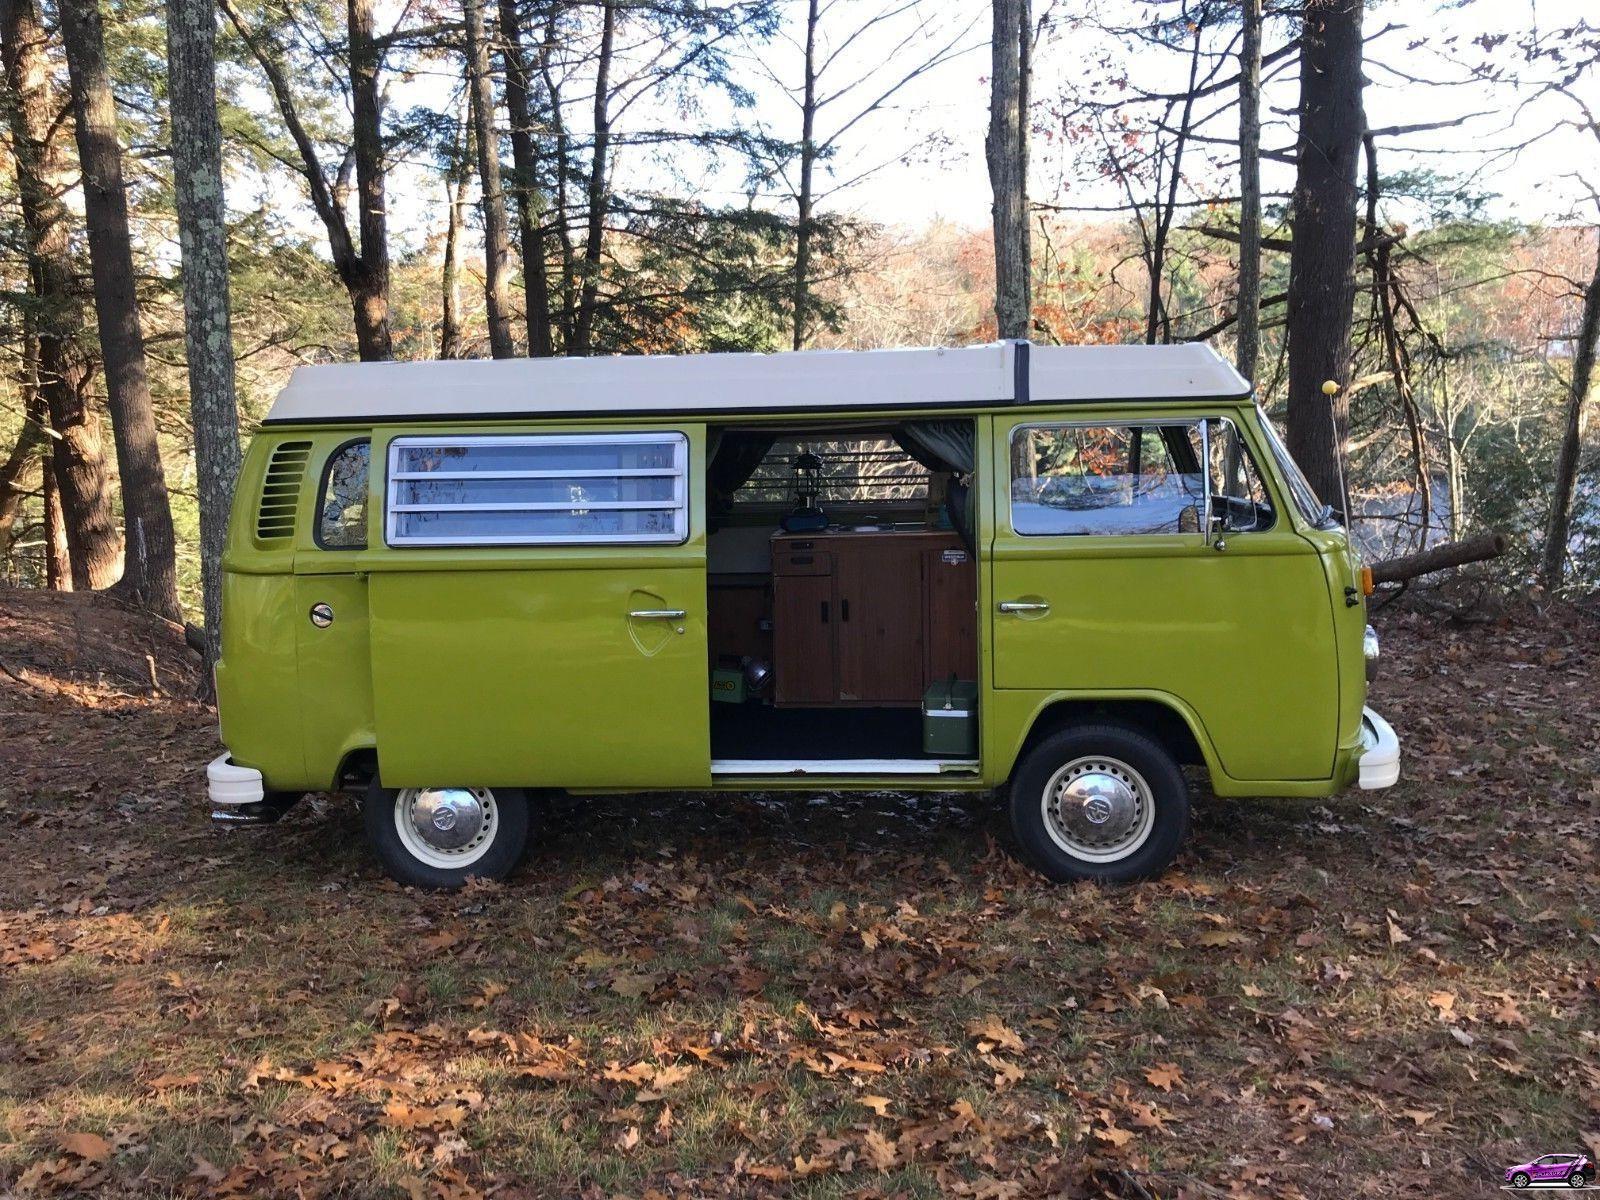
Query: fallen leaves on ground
(771,994)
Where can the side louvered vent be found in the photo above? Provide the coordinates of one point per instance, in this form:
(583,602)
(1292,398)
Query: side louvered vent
(281,492)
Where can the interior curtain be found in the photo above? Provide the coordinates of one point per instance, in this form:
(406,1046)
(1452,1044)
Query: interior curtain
(947,446)
(732,457)
(940,445)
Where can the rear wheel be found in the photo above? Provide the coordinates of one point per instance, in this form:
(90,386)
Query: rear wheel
(441,837)
(1100,802)
(1577,1179)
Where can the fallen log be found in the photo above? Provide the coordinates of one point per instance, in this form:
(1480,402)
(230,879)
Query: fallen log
(1440,558)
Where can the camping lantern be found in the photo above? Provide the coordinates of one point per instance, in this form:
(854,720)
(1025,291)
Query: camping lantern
(807,480)
(806,517)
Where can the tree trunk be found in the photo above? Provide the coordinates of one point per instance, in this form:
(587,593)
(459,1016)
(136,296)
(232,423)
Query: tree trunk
(30,447)
(1322,258)
(1558,529)
(1006,150)
(150,569)
(451,342)
(1158,320)
(369,276)
(57,557)
(65,366)
(1441,558)
(1247,342)
(496,233)
(808,159)
(13,488)
(364,272)
(1386,297)
(1452,457)
(566,311)
(208,333)
(583,328)
(525,192)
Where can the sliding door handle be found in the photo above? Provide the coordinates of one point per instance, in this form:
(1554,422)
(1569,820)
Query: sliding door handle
(664,614)
(1024,606)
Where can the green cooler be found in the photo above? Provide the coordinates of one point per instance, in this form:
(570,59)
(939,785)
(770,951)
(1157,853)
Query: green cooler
(950,719)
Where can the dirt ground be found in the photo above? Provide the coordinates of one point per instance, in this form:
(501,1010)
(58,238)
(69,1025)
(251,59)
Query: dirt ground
(1377,995)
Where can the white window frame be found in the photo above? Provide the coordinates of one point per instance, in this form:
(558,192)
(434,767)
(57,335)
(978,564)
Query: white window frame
(678,505)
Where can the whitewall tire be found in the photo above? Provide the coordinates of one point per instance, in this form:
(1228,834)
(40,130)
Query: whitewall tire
(1102,802)
(441,837)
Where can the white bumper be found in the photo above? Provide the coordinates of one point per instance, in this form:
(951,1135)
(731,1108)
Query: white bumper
(1380,752)
(232,785)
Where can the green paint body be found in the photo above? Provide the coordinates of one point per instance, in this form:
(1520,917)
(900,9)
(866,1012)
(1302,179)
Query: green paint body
(469,666)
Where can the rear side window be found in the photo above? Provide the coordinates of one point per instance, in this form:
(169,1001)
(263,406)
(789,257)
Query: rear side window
(1084,480)
(536,490)
(342,503)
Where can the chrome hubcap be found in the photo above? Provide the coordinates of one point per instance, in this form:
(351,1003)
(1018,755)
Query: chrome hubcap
(1098,808)
(447,818)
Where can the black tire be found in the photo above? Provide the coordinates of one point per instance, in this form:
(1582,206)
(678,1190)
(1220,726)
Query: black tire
(507,841)
(1136,755)
(1520,1180)
(1577,1180)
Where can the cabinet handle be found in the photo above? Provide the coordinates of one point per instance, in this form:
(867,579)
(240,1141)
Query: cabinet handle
(664,614)
(844,610)
(1022,606)
(824,612)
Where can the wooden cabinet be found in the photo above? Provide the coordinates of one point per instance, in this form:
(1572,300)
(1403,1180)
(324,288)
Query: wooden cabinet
(879,636)
(802,626)
(870,618)
(950,621)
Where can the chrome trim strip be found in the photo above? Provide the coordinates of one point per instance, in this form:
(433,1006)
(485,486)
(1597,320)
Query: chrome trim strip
(841,766)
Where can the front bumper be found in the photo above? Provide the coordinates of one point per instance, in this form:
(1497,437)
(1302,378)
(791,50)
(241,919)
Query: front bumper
(1380,752)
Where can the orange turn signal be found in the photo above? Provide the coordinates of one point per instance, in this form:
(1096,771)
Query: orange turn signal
(1366,581)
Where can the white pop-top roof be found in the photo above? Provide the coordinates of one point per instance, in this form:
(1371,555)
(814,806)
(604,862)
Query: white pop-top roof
(730,384)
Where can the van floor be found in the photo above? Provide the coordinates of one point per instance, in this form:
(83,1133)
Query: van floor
(756,731)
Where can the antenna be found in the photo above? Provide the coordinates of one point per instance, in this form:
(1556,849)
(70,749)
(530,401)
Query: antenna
(1330,389)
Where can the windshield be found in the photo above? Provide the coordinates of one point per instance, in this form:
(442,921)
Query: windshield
(1305,498)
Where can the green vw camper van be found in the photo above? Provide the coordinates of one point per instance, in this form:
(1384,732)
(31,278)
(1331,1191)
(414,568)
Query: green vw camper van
(1064,574)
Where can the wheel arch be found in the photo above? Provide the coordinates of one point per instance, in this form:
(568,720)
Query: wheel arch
(357,768)
(1158,715)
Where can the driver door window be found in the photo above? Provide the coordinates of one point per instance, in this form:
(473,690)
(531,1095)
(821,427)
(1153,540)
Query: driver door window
(1105,480)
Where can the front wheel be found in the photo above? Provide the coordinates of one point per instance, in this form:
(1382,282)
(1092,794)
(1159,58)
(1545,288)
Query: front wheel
(1101,802)
(441,837)
(1520,1180)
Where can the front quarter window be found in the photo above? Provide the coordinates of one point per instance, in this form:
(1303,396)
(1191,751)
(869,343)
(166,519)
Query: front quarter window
(1313,510)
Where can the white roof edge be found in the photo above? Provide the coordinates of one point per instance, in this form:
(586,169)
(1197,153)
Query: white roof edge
(808,380)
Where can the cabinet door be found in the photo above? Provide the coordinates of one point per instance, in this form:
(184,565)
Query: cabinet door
(879,589)
(803,632)
(950,579)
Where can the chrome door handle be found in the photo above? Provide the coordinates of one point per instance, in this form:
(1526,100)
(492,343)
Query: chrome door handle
(664,614)
(1022,606)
